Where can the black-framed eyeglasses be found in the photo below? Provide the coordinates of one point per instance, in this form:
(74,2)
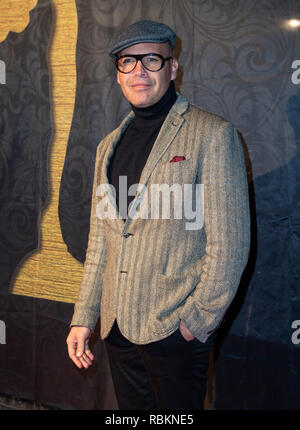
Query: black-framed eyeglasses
(152,62)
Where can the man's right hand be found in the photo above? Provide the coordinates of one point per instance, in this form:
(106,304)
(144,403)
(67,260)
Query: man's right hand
(78,346)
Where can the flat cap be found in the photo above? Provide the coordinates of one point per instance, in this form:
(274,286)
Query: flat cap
(140,32)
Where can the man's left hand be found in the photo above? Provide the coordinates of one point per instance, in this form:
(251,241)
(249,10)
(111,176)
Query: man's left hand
(185,331)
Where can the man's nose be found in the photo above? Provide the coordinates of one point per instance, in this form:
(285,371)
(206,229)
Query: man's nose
(139,68)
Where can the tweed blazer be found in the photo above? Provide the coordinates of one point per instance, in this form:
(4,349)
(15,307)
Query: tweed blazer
(151,272)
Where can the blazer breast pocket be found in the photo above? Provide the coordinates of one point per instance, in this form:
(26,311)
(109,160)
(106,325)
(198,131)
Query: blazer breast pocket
(177,172)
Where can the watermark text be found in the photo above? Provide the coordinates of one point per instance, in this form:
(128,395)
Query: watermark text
(296,334)
(296,73)
(2,332)
(2,72)
(158,201)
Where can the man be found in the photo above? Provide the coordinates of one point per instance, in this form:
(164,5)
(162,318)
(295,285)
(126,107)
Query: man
(161,284)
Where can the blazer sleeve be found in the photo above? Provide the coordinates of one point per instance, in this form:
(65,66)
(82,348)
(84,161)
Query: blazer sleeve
(227,229)
(87,306)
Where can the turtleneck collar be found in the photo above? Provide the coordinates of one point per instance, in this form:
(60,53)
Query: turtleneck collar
(152,114)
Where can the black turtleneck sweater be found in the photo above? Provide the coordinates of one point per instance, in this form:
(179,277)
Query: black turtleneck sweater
(132,150)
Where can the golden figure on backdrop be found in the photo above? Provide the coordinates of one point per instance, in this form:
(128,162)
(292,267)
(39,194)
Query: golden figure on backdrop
(45,273)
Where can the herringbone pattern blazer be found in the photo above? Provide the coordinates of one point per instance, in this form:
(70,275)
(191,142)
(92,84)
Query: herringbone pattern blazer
(150,273)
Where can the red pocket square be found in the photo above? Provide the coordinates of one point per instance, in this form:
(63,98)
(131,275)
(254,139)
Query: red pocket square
(177,158)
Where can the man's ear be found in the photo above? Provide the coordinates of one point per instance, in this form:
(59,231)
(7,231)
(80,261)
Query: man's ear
(174,68)
(118,80)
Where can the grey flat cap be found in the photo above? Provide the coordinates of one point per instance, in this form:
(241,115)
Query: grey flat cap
(140,32)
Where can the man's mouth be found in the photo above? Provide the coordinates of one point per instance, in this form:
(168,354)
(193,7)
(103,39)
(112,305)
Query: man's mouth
(140,86)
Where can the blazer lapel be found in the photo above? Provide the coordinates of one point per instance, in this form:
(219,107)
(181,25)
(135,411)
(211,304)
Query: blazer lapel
(113,140)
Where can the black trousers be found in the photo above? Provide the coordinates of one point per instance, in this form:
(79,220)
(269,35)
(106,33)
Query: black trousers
(168,374)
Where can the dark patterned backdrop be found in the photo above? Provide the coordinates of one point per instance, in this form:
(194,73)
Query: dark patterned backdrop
(236,59)
(25,132)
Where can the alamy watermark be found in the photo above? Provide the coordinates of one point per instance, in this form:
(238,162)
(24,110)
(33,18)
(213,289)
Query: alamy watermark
(2,332)
(2,72)
(296,74)
(153,202)
(296,334)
